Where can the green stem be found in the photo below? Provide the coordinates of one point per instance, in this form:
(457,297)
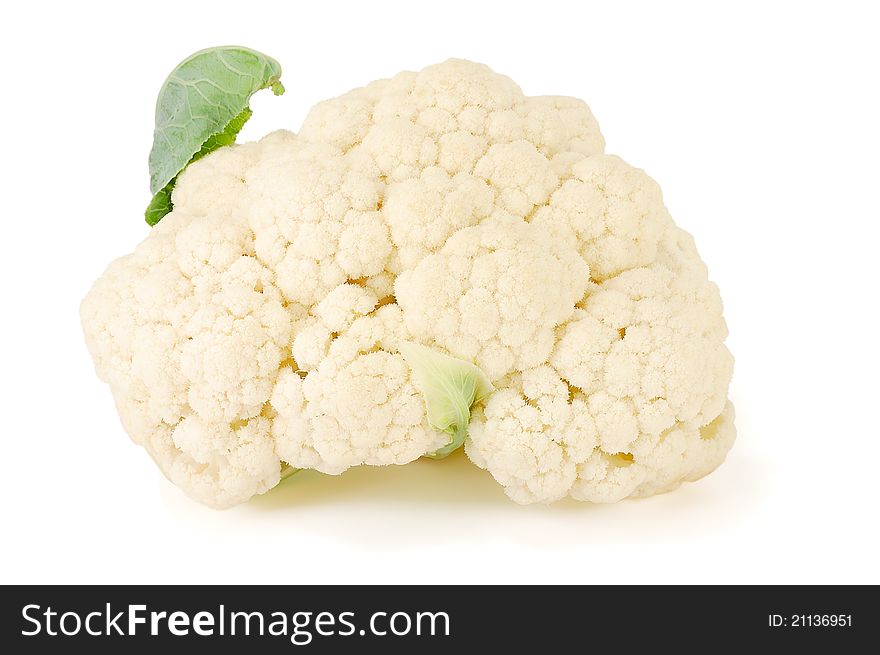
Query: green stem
(287,470)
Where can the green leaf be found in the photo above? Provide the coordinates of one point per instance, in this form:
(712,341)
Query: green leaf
(449,387)
(225,137)
(160,204)
(202,106)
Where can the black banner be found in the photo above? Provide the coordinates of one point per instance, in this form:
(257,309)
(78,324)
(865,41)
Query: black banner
(289,619)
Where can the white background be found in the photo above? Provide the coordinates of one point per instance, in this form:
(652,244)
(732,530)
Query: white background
(759,121)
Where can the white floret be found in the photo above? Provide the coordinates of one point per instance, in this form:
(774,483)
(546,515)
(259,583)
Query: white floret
(334,314)
(358,406)
(189,332)
(645,359)
(616,211)
(521,177)
(531,437)
(494,294)
(314,214)
(424,212)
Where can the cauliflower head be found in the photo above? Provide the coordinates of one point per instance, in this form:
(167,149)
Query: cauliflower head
(258,326)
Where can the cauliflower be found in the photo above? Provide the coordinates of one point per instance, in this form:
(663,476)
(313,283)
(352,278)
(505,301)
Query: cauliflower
(432,255)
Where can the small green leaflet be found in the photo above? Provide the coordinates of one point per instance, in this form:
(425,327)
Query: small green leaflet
(160,204)
(449,387)
(201,107)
